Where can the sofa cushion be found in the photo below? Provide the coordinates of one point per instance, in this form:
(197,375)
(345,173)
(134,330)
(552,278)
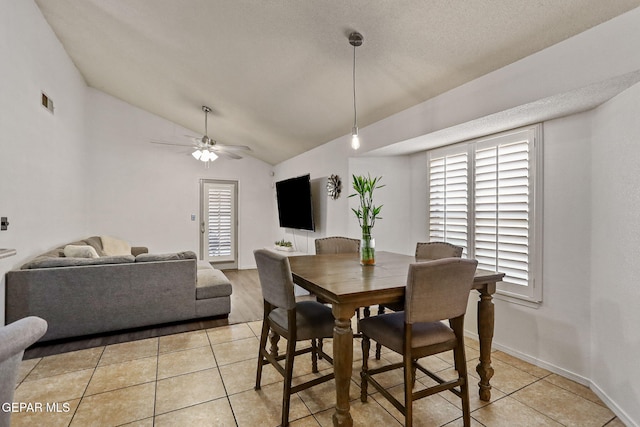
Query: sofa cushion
(157,257)
(204,265)
(96,243)
(46,262)
(73,251)
(113,246)
(187,255)
(212,283)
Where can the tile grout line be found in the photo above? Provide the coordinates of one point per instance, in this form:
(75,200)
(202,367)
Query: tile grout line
(155,388)
(86,386)
(226,394)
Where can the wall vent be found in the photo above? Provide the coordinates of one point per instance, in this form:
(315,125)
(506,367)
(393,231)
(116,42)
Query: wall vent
(47,102)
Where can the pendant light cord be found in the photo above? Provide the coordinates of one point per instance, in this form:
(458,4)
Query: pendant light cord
(355,111)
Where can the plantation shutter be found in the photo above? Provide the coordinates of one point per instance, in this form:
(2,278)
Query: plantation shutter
(486,196)
(219,218)
(502,211)
(219,221)
(448,203)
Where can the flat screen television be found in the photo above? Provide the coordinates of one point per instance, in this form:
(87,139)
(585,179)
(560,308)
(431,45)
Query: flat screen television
(295,208)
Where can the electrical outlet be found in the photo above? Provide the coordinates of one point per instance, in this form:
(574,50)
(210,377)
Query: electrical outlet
(193,217)
(4,223)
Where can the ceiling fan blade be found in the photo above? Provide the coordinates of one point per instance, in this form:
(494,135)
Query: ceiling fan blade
(232,147)
(168,143)
(228,154)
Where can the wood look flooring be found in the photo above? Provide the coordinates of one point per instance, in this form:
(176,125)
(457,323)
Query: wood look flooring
(246,306)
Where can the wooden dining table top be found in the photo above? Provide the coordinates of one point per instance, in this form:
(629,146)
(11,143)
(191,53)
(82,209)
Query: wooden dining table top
(341,279)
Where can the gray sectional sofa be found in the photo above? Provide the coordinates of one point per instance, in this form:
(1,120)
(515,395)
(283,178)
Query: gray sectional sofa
(84,296)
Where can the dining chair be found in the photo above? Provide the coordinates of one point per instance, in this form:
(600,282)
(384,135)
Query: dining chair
(424,251)
(295,321)
(436,290)
(14,339)
(337,245)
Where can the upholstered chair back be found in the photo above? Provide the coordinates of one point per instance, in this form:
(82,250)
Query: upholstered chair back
(337,245)
(275,278)
(437,250)
(438,290)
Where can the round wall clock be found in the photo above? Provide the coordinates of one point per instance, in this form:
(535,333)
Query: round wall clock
(334,186)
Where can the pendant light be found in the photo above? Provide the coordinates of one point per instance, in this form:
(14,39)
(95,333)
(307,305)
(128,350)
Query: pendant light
(355,39)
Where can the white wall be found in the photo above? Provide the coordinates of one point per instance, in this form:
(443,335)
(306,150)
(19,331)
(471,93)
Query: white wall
(615,243)
(146,193)
(42,172)
(391,232)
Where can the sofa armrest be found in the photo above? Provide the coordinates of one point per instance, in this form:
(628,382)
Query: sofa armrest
(137,250)
(17,336)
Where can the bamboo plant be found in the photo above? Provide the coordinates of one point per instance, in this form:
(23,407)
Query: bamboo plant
(367,213)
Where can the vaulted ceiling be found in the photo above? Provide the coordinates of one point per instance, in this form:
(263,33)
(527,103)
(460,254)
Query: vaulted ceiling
(278,74)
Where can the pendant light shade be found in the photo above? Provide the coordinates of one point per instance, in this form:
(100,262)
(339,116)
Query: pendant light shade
(355,40)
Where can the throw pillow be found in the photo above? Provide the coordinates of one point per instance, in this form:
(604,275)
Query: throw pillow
(113,246)
(73,251)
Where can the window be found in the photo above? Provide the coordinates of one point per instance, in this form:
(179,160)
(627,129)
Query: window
(485,195)
(218,222)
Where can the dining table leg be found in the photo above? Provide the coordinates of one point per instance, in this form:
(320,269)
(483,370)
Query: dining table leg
(485,334)
(342,363)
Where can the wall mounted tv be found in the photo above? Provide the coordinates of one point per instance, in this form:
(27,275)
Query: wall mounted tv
(295,209)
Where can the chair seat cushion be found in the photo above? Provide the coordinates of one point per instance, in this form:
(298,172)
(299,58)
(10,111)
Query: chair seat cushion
(314,320)
(388,330)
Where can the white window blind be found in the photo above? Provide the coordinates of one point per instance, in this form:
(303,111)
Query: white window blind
(482,196)
(448,210)
(502,210)
(219,217)
(219,222)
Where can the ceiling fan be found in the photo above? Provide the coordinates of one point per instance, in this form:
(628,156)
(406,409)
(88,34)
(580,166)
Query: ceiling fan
(207,149)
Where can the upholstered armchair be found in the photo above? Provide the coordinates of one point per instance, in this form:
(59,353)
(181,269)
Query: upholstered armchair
(14,339)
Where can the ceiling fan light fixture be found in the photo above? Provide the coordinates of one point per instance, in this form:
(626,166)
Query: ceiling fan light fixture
(212,156)
(197,154)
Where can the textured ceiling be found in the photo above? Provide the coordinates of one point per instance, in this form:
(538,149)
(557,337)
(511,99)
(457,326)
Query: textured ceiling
(277,74)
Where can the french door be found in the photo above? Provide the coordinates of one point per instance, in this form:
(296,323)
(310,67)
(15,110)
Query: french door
(219,222)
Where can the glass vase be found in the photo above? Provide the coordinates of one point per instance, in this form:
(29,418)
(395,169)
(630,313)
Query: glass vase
(367,250)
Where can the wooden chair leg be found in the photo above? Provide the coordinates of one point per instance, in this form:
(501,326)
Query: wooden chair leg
(378,346)
(263,345)
(314,356)
(366,344)
(459,357)
(414,370)
(408,389)
(288,374)
(274,338)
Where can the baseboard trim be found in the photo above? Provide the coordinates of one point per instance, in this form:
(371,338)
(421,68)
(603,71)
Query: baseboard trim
(611,404)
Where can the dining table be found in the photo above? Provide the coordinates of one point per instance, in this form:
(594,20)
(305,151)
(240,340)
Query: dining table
(340,279)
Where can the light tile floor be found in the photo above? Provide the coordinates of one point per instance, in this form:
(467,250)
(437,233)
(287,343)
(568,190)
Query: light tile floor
(206,378)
